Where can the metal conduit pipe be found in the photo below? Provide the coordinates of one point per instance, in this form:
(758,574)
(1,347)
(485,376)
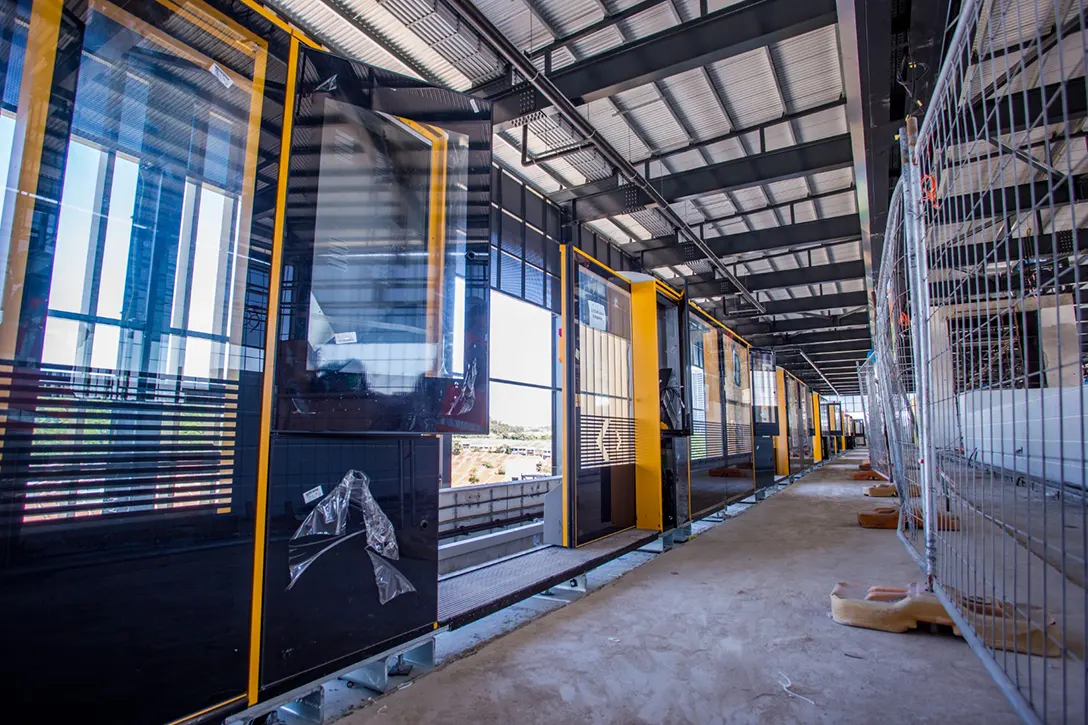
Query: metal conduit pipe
(502,45)
(818,371)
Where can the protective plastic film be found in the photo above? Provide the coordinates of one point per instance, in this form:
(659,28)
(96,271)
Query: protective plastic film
(327,525)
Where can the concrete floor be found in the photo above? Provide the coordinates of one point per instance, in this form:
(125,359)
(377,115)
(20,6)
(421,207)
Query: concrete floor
(707,632)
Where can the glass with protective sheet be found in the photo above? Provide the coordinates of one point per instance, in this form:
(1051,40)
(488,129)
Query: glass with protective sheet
(385,265)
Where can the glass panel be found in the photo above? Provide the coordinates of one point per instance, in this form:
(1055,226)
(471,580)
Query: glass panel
(382,198)
(671,378)
(764,392)
(520,444)
(605,478)
(133,274)
(707,388)
(738,409)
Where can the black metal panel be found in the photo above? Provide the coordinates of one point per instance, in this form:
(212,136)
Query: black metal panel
(707,39)
(330,614)
(785,278)
(670,251)
(787,163)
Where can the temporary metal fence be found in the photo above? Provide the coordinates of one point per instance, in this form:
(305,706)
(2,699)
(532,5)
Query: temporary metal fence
(874,418)
(980,355)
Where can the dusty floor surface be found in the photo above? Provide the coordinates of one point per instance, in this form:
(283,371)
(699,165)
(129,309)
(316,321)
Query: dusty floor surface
(707,632)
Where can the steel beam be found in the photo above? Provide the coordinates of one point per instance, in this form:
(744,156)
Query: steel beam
(1005,250)
(602,199)
(541,84)
(707,39)
(1020,110)
(813,303)
(833,336)
(666,251)
(1011,200)
(785,278)
(856,319)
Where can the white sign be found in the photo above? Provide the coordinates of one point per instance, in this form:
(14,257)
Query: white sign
(345,338)
(221,76)
(313,494)
(597,316)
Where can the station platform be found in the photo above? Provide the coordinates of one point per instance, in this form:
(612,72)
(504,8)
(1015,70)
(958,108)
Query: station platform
(710,631)
(469,594)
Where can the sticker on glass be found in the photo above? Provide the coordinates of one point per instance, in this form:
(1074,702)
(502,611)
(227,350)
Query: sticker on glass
(598,318)
(345,338)
(221,76)
(313,494)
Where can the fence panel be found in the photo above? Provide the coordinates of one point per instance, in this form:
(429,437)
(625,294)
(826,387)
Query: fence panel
(980,359)
(875,439)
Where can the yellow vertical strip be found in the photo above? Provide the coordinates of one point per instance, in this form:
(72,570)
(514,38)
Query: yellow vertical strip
(781,441)
(436,250)
(270,338)
(565,330)
(26,153)
(842,429)
(649,513)
(817,437)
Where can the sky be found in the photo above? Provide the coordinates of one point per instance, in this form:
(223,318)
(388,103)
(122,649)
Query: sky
(521,350)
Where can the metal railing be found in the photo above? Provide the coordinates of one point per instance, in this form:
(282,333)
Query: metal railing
(474,510)
(980,360)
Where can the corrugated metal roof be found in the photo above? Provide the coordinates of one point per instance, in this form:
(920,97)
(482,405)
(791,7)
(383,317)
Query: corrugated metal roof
(654,20)
(335,32)
(821,124)
(808,68)
(648,111)
(665,116)
(831,180)
(717,205)
(833,206)
(510,157)
(441,31)
(693,98)
(745,81)
(726,150)
(599,42)
(787,190)
(628,222)
(750,199)
(613,127)
(762,220)
(517,22)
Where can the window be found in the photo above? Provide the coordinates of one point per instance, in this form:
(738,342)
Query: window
(143,343)
(764,390)
(521,438)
